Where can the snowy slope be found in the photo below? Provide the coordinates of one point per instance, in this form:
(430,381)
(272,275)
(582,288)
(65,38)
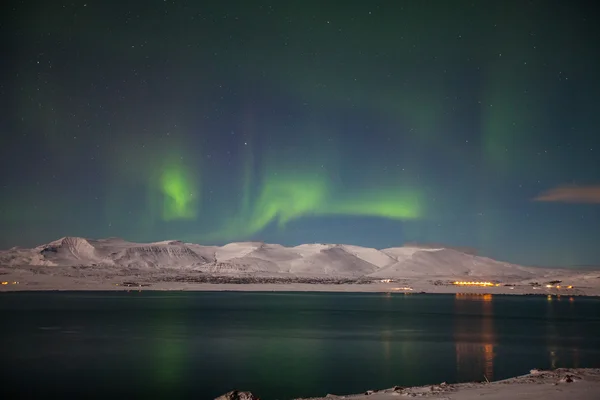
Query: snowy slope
(376,257)
(415,262)
(108,252)
(236,250)
(330,260)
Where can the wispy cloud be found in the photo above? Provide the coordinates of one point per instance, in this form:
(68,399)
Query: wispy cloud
(572,194)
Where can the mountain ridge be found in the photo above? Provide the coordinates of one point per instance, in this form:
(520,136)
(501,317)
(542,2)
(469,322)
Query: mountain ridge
(315,259)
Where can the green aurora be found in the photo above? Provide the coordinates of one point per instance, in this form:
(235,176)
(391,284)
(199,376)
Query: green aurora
(283,197)
(179,192)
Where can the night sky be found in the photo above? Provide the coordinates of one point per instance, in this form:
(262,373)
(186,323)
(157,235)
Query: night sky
(463,123)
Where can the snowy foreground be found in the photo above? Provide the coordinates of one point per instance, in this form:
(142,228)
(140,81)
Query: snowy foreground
(575,384)
(73,263)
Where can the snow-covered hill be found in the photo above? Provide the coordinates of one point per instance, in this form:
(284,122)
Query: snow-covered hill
(331,260)
(414,262)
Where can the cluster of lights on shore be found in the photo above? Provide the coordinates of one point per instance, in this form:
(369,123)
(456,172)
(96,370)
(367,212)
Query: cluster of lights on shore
(558,286)
(484,284)
(465,283)
(474,283)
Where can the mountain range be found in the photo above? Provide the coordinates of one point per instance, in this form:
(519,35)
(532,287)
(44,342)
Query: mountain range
(263,259)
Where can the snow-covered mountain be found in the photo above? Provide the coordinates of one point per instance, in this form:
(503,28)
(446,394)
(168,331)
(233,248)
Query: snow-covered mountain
(332,260)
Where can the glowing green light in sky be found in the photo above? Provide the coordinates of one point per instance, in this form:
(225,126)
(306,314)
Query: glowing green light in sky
(392,204)
(288,197)
(179,193)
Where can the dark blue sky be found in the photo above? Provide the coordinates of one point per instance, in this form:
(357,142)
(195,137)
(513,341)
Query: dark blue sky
(373,123)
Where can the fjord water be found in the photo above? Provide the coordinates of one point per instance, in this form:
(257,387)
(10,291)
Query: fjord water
(281,345)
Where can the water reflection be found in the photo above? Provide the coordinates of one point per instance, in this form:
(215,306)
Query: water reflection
(551,333)
(574,350)
(475,343)
(575,353)
(386,332)
(201,345)
(169,344)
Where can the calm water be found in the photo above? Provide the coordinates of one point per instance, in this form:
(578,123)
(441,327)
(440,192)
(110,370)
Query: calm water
(281,345)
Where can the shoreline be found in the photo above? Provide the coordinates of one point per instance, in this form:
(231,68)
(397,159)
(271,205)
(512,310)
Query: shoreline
(61,279)
(296,288)
(561,383)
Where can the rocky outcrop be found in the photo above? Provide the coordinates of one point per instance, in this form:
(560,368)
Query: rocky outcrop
(237,395)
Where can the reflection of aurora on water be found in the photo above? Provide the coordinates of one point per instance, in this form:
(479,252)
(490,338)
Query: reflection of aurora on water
(170,346)
(386,331)
(474,347)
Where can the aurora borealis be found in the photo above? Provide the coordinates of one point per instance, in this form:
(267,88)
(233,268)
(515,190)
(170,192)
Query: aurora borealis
(368,123)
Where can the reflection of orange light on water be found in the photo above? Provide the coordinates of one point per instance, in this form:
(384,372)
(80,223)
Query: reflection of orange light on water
(484,296)
(489,361)
(475,343)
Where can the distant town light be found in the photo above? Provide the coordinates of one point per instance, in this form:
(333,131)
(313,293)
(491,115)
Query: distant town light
(471,283)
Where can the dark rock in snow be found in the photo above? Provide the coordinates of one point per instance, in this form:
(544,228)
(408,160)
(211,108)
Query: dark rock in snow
(237,395)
